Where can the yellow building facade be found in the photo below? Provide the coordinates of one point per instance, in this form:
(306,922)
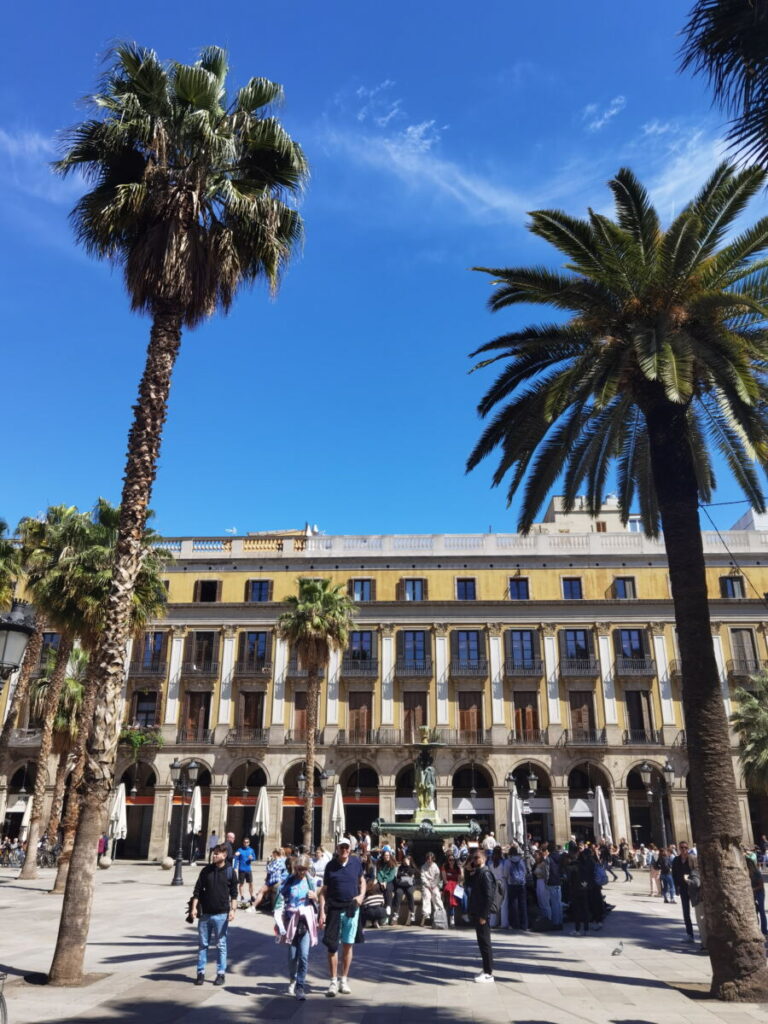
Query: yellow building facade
(551,656)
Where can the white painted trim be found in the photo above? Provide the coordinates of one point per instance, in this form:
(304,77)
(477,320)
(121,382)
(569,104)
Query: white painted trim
(607,677)
(496,665)
(441,677)
(227,669)
(387,680)
(665,680)
(174,680)
(552,674)
(717,643)
(278,684)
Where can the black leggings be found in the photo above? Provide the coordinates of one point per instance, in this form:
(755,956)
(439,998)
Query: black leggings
(483,933)
(407,889)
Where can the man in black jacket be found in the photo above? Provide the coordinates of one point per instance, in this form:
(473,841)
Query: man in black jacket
(482,887)
(216,895)
(681,868)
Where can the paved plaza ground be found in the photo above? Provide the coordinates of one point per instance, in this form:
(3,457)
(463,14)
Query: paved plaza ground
(141,956)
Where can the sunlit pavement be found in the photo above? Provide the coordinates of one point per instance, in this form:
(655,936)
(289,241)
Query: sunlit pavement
(141,960)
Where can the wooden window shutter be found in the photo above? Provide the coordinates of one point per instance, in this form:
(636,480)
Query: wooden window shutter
(219,585)
(270,590)
(400,590)
(535,643)
(351,588)
(247,591)
(373,590)
(562,645)
(189,647)
(215,647)
(241,647)
(196,591)
(454,644)
(617,643)
(400,644)
(425,589)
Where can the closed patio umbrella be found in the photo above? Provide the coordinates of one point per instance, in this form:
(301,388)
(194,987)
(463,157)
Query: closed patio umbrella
(338,818)
(602,822)
(25,819)
(515,826)
(260,824)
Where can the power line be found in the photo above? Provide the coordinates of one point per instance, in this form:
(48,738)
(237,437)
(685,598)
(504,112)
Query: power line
(731,555)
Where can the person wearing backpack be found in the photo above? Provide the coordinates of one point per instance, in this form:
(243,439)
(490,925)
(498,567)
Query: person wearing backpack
(483,902)
(216,895)
(518,889)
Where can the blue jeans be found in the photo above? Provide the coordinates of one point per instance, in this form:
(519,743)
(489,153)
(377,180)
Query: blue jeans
(518,906)
(298,959)
(212,928)
(760,908)
(555,904)
(667,887)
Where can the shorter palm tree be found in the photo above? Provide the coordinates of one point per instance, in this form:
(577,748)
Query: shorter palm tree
(65,724)
(750,721)
(318,621)
(10,565)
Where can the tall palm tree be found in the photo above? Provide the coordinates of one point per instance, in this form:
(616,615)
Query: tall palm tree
(318,621)
(663,352)
(10,565)
(725,41)
(65,724)
(750,721)
(189,197)
(89,581)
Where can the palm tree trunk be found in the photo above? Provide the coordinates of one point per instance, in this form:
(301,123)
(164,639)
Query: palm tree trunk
(109,656)
(736,947)
(20,694)
(54,820)
(313,687)
(29,868)
(72,816)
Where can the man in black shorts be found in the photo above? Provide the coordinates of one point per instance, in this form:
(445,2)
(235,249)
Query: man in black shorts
(340,900)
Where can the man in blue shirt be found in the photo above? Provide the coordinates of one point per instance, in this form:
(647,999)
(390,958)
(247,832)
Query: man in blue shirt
(340,899)
(244,858)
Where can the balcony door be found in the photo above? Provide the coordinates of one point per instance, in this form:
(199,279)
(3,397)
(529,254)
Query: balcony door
(470,716)
(582,713)
(251,711)
(414,715)
(360,716)
(526,716)
(198,706)
(300,715)
(744,654)
(639,713)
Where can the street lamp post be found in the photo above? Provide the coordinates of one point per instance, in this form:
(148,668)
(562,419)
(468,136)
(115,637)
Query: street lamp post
(181,778)
(646,774)
(16,627)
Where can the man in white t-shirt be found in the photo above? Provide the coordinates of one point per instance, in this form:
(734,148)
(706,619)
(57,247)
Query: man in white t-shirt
(489,844)
(352,841)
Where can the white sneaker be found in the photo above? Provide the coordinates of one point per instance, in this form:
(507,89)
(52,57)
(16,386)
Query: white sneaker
(332,989)
(484,979)
(292,989)
(300,994)
(344,987)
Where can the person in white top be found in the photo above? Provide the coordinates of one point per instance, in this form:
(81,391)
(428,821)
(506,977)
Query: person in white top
(488,845)
(321,858)
(352,841)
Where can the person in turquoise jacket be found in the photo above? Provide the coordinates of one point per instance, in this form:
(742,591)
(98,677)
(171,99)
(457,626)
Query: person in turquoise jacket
(242,861)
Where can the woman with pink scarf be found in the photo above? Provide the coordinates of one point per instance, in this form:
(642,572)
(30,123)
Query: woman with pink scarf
(299,923)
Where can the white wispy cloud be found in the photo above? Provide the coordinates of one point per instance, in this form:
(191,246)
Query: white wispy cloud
(596,118)
(25,157)
(690,158)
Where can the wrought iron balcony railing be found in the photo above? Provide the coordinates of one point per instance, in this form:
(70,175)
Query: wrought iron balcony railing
(295,671)
(635,666)
(642,737)
(357,737)
(464,667)
(584,737)
(743,667)
(579,667)
(148,667)
(296,736)
(247,737)
(413,668)
(203,667)
(463,737)
(253,667)
(352,666)
(528,737)
(191,737)
(518,667)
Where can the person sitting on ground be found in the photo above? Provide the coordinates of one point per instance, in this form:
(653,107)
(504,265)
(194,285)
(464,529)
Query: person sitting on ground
(451,873)
(276,873)
(386,873)
(243,862)
(404,886)
(374,910)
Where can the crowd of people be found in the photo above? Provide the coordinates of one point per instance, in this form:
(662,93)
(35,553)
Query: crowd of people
(530,886)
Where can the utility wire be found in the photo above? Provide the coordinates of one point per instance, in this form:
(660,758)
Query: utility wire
(731,555)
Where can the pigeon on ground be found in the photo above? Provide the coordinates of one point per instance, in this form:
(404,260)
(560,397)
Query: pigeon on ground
(618,950)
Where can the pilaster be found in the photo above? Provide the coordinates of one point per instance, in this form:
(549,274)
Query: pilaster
(227,672)
(161,820)
(496,667)
(387,675)
(178,634)
(551,671)
(561,814)
(441,673)
(218,809)
(277,722)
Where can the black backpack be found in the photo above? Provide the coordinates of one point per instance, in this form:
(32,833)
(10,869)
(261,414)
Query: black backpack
(499,892)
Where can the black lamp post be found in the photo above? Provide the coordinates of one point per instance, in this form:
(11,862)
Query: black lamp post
(646,774)
(16,627)
(181,777)
(357,792)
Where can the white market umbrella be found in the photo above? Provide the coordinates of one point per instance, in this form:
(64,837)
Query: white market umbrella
(338,818)
(26,818)
(195,815)
(602,823)
(118,819)
(260,824)
(515,826)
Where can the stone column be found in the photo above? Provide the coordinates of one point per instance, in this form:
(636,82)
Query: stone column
(500,799)
(441,673)
(223,722)
(387,803)
(496,669)
(387,675)
(277,723)
(174,676)
(161,820)
(443,803)
(218,808)
(551,672)
(619,810)
(561,814)
(274,837)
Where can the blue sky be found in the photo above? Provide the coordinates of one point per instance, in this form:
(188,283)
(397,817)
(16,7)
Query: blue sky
(346,402)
